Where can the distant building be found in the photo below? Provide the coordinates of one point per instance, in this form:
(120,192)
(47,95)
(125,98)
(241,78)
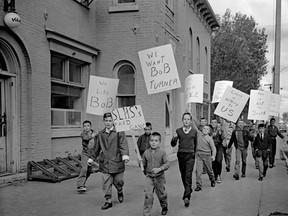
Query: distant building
(46,61)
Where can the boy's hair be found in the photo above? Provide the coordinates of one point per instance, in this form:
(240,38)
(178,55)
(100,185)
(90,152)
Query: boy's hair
(187,113)
(148,124)
(261,126)
(272,119)
(156,134)
(86,122)
(107,115)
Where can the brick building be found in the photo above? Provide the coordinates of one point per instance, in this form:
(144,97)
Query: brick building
(46,61)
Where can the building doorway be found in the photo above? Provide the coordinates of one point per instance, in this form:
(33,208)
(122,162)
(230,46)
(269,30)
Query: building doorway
(3,129)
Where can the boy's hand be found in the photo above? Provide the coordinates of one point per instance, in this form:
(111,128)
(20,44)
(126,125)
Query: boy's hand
(175,135)
(227,150)
(126,160)
(94,134)
(156,170)
(213,158)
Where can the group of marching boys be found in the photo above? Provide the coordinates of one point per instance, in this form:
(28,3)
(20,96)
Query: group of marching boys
(205,143)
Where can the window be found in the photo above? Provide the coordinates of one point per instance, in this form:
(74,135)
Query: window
(126,89)
(167,111)
(190,50)
(126,1)
(206,75)
(66,91)
(198,55)
(124,6)
(3,65)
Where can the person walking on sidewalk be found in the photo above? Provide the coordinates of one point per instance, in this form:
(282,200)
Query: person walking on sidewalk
(113,151)
(273,132)
(88,146)
(155,162)
(143,140)
(240,137)
(205,154)
(262,148)
(230,127)
(219,136)
(187,137)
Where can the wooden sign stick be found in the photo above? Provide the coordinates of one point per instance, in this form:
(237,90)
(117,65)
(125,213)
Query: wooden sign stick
(137,150)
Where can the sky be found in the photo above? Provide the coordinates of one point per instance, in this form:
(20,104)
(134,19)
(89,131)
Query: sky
(264,13)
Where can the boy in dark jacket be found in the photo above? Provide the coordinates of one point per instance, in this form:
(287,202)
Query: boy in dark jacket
(143,140)
(88,146)
(112,148)
(155,162)
(262,148)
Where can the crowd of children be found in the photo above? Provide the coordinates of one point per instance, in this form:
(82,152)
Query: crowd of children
(204,144)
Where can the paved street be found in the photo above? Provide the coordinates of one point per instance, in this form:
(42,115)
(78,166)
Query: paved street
(246,197)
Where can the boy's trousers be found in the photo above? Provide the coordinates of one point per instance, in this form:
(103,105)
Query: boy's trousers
(116,179)
(217,163)
(203,160)
(227,156)
(85,171)
(262,157)
(243,154)
(154,184)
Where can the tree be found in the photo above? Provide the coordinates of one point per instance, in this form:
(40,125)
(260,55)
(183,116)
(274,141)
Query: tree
(238,52)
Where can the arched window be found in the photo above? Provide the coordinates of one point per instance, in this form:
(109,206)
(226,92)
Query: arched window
(190,49)
(206,75)
(126,89)
(198,55)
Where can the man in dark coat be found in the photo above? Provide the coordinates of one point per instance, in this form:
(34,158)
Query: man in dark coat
(113,151)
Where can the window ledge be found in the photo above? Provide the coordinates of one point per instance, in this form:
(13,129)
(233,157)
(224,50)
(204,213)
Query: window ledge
(123,8)
(66,132)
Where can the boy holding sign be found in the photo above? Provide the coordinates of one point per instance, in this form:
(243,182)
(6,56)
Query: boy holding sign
(113,151)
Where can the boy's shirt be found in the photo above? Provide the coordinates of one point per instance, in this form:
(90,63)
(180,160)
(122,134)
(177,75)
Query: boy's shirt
(155,159)
(143,143)
(88,143)
(206,145)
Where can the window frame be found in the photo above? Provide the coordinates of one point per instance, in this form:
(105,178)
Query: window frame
(123,7)
(116,74)
(66,82)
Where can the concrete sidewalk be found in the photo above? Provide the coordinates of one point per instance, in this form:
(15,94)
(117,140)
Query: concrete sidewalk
(246,197)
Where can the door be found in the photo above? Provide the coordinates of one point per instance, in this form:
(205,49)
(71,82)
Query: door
(3,129)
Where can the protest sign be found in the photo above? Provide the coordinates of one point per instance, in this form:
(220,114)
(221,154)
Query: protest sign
(101,95)
(259,105)
(194,85)
(128,118)
(219,89)
(159,69)
(275,104)
(231,104)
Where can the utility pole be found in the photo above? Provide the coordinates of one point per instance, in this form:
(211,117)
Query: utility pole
(276,74)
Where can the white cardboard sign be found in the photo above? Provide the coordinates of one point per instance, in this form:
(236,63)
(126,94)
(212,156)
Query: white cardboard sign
(128,118)
(259,105)
(194,85)
(101,95)
(231,104)
(275,104)
(219,89)
(159,69)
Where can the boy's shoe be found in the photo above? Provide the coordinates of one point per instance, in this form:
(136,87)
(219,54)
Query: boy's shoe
(81,189)
(218,179)
(198,188)
(212,183)
(120,196)
(186,202)
(164,211)
(260,179)
(236,177)
(228,169)
(243,175)
(106,205)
